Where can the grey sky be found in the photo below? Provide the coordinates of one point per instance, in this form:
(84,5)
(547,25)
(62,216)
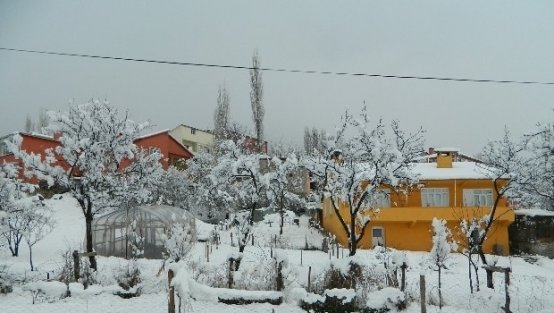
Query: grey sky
(485,39)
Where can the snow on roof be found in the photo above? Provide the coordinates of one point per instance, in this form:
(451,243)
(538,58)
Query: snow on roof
(153,134)
(534,212)
(459,170)
(448,149)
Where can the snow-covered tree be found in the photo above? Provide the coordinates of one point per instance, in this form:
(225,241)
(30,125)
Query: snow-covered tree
(8,190)
(234,181)
(501,160)
(314,141)
(535,177)
(180,238)
(472,227)
(256,99)
(100,165)
(15,214)
(358,164)
(39,222)
(282,179)
(442,246)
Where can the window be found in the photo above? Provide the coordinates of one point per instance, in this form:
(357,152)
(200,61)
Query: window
(382,199)
(193,131)
(478,197)
(434,197)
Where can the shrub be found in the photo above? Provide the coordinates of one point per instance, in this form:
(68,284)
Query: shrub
(333,300)
(6,280)
(129,279)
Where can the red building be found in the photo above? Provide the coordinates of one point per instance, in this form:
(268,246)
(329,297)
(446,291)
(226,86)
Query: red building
(171,149)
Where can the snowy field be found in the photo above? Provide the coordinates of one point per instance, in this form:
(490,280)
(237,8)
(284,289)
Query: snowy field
(532,279)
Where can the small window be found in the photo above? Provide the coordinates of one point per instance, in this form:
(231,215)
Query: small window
(381,199)
(193,131)
(434,197)
(478,197)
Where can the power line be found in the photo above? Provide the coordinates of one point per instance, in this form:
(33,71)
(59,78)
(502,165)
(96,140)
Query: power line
(284,70)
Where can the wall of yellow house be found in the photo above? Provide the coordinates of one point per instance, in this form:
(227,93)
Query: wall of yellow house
(455,191)
(407,225)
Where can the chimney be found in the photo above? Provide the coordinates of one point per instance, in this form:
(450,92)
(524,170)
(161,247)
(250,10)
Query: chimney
(444,159)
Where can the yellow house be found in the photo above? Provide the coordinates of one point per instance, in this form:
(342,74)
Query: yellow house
(448,190)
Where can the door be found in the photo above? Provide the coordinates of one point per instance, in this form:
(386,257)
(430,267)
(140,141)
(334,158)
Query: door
(377,236)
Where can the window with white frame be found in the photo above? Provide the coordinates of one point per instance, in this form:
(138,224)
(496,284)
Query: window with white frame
(478,197)
(434,197)
(382,198)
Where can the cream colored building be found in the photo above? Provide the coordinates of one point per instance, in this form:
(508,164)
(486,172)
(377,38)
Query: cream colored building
(196,140)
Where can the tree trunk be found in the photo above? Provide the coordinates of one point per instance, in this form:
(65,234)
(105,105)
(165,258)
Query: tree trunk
(282,213)
(490,283)
(352,243)
(440,291)
(31,257)
(92,259)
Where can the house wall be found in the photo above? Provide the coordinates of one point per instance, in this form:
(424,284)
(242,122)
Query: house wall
(407,225)
(37,145)
(455,191)
(195,139)
(167,145)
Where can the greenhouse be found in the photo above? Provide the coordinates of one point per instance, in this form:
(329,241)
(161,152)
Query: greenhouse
(113,232)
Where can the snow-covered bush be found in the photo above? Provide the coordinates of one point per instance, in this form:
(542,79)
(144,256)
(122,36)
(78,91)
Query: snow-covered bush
(209,274)
(350,273)
(333,300)
(43,291)
(267,274)
(129,278)
(6,280)
(180,238)
(392,261)
(384,300)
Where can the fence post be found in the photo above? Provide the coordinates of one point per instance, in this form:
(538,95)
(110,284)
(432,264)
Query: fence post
(507,285)
(76,264)
(403,282)
(309,280)
(300,257)
(422,293)
(171,299)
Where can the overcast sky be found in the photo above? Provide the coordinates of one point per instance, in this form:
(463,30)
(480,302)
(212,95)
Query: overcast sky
(510,40)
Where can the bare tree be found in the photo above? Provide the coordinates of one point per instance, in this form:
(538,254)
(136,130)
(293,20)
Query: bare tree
(29,127)
(501,159)
(42,121)
(256,99)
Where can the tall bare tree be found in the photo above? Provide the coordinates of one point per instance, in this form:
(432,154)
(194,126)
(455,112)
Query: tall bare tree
(29,127)
(221,113)
(256,99)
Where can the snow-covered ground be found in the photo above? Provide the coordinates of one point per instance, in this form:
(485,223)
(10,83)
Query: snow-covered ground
(532,280)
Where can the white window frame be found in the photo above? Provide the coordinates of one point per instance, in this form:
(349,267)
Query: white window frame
(435,197)
(382,199)
(478,197)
